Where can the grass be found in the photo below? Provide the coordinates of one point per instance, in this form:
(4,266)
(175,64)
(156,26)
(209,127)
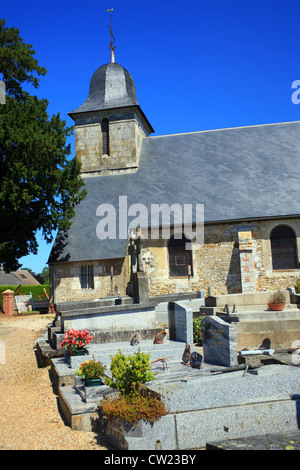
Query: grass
(37,291)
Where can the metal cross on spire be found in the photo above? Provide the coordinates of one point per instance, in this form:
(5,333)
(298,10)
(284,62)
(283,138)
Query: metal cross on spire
(112,38)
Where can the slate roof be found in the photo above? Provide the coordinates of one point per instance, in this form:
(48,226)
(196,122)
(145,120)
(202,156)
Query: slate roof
(9,279)
(15,278)
(238,174)
(111,86)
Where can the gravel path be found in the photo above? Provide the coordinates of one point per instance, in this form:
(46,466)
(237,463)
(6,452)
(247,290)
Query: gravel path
(29,414)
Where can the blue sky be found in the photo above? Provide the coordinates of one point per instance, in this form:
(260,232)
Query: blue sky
(200,65)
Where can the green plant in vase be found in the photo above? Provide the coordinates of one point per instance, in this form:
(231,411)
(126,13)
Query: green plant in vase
(92,372)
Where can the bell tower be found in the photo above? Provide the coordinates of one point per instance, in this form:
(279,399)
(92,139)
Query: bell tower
(110,125)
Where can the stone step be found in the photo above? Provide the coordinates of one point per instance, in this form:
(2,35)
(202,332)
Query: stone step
(255,298)
(274,339)
(269,326)
(268,315)
(264,307)
(245,308)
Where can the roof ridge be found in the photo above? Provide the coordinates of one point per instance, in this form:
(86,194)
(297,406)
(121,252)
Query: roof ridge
(225,129)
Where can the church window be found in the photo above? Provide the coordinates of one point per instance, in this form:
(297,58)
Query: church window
(86,277)
(283,248)
(180,259)
(105,136)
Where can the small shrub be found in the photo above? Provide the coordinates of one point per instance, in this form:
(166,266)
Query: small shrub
(197,330)
(297,286)
(133,407)
(129,371)
(277,298)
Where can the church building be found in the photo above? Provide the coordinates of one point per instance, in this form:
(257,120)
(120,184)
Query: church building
(244,181)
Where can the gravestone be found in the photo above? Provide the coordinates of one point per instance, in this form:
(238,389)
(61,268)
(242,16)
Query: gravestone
(180,322)
(219,341)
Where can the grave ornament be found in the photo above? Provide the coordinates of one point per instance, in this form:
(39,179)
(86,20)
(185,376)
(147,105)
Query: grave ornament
(186,356)
(159,338)
(196,360)
(135,339)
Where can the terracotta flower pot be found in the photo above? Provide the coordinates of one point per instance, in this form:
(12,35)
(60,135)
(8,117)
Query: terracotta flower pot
(276,307)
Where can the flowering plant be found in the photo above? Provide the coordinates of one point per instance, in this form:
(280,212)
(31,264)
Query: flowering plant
(91,369)
(75,340)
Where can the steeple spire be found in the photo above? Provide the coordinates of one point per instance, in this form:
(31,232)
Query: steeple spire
(112,38)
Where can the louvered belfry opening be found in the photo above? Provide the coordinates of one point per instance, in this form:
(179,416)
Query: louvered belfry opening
(105,136)
(284,248)
(180,259)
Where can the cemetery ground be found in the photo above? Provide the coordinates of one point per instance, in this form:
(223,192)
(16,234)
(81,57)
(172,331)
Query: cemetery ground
(29,413)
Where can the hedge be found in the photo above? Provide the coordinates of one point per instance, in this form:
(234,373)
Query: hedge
(36,290)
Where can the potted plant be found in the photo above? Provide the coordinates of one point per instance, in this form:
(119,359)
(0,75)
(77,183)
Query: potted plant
(277,301)
(92,372)
(75,341)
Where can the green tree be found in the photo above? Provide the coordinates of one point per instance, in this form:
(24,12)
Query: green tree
(45,274)
(39,185)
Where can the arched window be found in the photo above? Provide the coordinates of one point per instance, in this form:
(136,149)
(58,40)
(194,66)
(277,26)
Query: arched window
(284,248)
(105,136)
(180,259)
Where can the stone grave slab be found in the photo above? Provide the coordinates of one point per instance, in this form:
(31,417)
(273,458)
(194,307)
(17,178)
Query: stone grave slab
(280,441)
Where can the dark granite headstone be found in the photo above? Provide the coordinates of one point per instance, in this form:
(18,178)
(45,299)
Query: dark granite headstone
(219,341)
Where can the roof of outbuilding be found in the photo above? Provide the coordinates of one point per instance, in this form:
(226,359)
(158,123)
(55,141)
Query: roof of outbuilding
(238,174)
(9,279)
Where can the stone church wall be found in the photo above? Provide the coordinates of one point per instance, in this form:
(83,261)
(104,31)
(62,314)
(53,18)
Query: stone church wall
(217,263)
(67,280)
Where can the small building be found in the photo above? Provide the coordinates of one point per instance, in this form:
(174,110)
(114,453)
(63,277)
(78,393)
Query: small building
(241,183)
(16,278)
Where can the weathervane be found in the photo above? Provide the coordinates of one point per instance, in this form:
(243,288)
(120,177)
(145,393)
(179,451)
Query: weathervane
(112,38)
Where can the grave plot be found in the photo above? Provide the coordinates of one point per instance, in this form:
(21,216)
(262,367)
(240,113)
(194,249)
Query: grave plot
(210,397)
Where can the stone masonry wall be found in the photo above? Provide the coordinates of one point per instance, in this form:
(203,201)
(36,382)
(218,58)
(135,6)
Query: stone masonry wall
(217,263)
(68,286)
(125,137)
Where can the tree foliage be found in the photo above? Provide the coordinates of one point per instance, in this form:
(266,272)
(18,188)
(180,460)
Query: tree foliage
(39,185)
